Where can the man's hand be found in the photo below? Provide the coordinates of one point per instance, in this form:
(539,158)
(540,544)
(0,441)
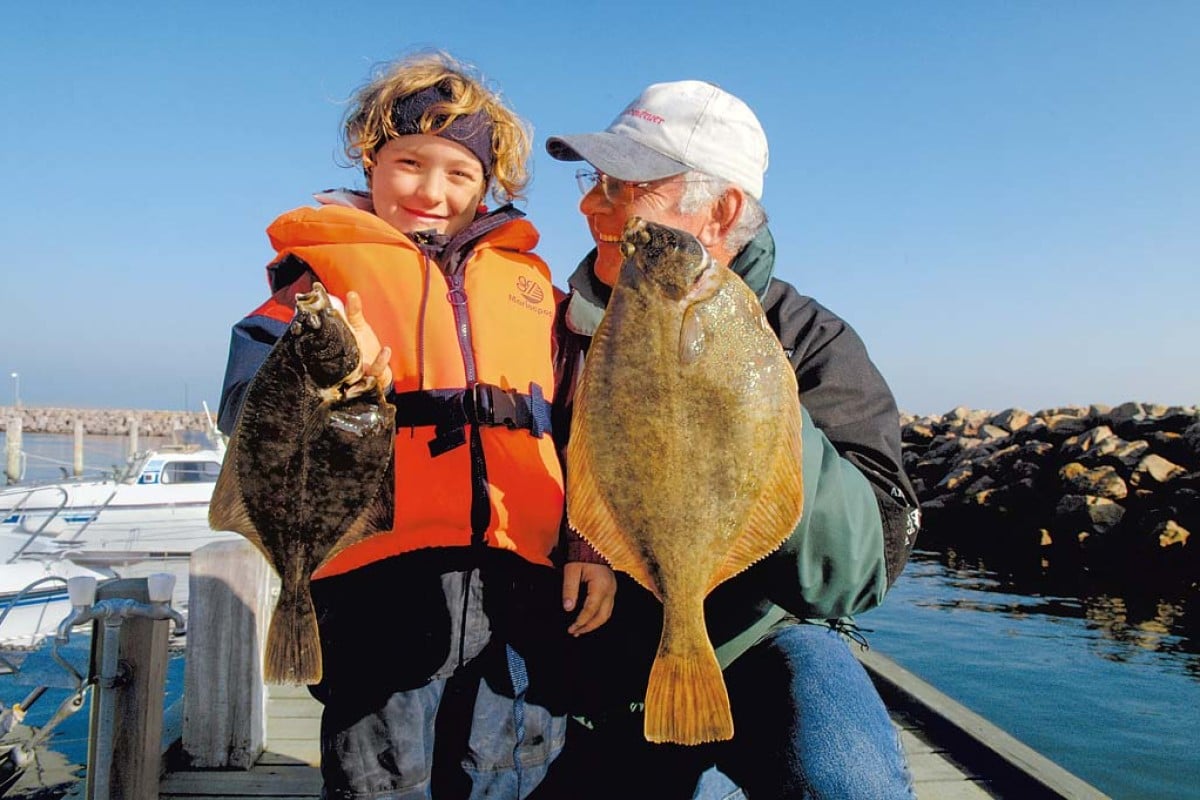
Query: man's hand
(601,592)
(374,357)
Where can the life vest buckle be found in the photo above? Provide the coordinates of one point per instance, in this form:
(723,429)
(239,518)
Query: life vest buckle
(450,411)
(496,406)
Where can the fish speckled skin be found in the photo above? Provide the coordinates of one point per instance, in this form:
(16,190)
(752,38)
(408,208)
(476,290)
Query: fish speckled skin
(308,470)
(684,462)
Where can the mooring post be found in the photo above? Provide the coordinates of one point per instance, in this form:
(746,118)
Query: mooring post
(133,436)
(224,697)
(12,449)
(125,744)
(77,464)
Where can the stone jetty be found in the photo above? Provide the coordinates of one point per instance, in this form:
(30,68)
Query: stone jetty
(1096,483)
(103,421)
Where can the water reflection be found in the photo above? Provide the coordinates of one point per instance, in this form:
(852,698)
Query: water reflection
(1128,620)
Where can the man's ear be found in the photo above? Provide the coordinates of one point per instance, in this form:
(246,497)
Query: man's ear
(723,214)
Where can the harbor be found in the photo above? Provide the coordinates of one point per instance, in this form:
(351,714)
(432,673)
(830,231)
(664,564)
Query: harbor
(260,741)
(941,764)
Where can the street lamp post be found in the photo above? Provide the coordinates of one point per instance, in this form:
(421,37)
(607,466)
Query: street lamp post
(16,376)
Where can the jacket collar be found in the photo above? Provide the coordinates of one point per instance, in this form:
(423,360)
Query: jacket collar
(585,308)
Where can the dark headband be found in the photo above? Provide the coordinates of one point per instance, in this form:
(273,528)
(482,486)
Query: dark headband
(472,131)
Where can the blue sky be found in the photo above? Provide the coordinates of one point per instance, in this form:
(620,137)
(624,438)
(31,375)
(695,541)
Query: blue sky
(1003,197)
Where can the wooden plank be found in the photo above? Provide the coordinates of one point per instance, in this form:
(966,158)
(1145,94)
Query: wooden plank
(953,790)
(260,781)
(934,767)
(271,758)
(1010,766)
(294,708)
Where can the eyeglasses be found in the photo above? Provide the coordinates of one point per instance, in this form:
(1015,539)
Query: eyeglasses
(614,190)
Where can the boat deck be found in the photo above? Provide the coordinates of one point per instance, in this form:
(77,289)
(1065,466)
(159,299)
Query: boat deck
(953,753)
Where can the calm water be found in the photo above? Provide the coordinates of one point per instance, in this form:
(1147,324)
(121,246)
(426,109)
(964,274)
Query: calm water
(1106,684)
(1104,681)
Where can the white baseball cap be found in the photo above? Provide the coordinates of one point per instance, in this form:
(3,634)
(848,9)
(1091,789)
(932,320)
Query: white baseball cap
(672,128)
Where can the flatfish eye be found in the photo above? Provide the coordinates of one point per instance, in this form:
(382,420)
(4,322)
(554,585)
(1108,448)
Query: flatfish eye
(628,249)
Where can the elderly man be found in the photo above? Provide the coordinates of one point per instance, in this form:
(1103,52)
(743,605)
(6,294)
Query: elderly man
(807,720)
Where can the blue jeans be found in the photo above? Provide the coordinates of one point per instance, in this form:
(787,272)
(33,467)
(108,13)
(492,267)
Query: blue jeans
(389,753)
(808,723)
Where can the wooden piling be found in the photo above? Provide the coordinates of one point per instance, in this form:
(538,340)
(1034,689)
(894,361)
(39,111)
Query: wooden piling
(133,436)
(12,449)
(225,700)
(138,718)
(77,464)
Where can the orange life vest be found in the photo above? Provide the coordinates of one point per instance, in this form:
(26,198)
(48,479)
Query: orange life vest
(504,301)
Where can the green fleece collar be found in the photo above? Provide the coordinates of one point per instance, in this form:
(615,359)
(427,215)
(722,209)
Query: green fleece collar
(755,265)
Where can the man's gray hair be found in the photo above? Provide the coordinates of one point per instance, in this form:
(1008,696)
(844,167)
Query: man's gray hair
(700,189)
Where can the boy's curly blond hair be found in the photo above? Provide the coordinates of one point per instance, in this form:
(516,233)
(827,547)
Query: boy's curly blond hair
(368,122)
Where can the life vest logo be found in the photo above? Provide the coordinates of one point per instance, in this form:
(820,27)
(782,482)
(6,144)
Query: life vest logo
(530,290)
(529,297)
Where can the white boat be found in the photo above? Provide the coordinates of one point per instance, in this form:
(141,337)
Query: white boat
(157,509)
(149,518)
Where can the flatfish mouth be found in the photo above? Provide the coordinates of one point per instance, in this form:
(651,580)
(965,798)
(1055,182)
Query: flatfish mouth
(684,460)
(308,470)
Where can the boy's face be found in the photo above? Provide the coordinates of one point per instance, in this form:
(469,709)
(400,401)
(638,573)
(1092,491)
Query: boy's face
(424,182)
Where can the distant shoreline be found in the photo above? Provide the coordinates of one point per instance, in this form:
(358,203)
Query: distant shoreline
(103,421)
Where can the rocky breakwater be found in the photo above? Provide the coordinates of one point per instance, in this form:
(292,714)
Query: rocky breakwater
(103,421)
(1103,486)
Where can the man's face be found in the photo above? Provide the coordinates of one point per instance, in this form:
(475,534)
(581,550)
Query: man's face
(607,212)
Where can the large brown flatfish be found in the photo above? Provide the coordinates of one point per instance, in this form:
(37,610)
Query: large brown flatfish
(308,471)
(684,465)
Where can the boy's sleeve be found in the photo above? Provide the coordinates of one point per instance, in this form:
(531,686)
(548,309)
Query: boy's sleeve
(251,341)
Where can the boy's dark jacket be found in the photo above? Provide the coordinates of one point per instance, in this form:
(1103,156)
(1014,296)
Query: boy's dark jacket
(860,512)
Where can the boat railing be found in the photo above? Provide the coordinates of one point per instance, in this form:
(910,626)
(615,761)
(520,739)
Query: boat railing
(79,531)
(89,472)
(18,506)
(6,665)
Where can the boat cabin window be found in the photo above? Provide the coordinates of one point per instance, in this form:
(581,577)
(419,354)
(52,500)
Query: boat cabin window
(190,472)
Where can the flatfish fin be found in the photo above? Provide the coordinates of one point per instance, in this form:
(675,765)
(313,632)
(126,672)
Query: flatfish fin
(589,513)
(777,512)
(227,509)
(686,699)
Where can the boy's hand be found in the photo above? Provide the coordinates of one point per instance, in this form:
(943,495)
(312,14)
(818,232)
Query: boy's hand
(374,357)
(601,593)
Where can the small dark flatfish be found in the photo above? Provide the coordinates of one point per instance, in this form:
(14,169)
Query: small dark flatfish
(308,471)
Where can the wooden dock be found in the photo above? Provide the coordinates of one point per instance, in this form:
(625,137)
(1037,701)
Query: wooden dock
(234,737)
(286,769)
(954,754)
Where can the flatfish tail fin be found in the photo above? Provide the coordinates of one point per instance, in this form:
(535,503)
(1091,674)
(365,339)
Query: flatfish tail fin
(686,699)
(293,654)
(590,515)
(227,509)
(779,508)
